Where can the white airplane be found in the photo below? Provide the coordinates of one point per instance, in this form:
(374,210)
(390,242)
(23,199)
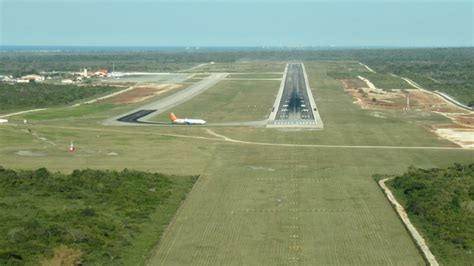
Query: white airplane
(186,121)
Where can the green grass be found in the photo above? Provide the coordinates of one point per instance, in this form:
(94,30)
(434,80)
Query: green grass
(387,82)
(66,113)
(252,67)
(446,70)
(261,205)
(351,70)
(455,85)
(344,70)
(255,76)
(258,198)
(87,113)
(252,200)
(346,124)
(230,101)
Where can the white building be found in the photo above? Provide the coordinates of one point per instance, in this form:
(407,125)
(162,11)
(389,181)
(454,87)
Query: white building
(4,78)
(33,77)
(67,81)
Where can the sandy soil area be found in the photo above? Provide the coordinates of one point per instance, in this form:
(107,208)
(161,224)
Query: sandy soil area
(464,137)
(141,93)
(367,96)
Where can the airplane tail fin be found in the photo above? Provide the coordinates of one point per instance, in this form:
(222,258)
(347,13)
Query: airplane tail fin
(172,117)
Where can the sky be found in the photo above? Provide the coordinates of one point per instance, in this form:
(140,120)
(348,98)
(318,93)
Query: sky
(404,23)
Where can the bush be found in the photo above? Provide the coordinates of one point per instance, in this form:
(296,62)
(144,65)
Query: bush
(441,200)
(95,212)
(21,96)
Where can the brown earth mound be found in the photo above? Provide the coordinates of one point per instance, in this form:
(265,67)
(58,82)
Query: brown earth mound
(64,256)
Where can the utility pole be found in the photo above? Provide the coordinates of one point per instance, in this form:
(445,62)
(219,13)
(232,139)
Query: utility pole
(408,103)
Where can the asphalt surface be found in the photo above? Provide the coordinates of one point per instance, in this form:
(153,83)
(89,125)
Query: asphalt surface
(294,103)
(134,117)
(296,106)
(143,114)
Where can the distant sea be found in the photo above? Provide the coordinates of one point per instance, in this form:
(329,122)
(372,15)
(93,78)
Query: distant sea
(52,49)
(36,48)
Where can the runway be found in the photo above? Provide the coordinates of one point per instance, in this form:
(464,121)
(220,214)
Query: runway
(143,114)
(295,106)
(135,117)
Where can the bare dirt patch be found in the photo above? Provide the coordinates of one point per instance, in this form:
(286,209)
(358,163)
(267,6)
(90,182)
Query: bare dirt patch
(141,93)
(64,256)
(463,137)
(461,131)
(462,120)
(369,97)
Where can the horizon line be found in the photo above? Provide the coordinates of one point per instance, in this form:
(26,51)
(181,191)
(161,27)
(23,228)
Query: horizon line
(266,47)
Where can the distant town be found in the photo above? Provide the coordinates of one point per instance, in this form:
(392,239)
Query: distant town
(59,76)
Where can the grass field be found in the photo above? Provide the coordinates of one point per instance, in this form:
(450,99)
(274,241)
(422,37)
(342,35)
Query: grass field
(230,101)
(346,124)
(245,67)
(255,76)
(255,204)
(351,70)
(157,78)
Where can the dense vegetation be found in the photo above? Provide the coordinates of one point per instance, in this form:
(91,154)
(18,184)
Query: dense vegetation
(445,69)
(37,95)
(100,214)
(441,204)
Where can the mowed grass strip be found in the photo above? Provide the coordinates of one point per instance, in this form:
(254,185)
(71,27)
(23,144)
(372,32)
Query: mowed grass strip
(114,148)
(233,217)
(276,206)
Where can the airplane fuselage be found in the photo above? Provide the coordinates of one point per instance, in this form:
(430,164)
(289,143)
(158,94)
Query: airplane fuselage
(187,121)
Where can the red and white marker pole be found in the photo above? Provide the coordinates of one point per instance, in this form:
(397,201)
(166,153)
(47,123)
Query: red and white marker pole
(72,148)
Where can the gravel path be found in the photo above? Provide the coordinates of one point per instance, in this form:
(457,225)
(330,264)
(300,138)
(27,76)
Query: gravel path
(419,240)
